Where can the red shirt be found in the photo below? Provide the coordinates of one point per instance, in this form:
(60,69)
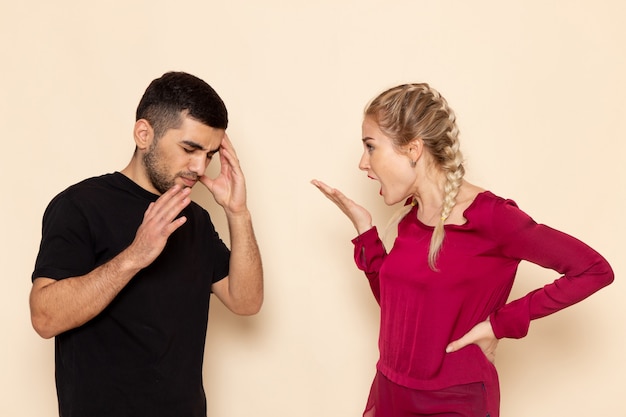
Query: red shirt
(422,310)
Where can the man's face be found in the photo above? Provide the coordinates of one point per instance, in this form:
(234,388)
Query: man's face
(181,155)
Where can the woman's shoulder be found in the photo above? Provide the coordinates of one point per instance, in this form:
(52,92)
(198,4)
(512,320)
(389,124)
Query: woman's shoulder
(469,196)
(489,209)
(479,202)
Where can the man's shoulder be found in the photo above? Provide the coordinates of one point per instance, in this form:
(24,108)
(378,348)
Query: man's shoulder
(89,189)
(103,180)
(97,184)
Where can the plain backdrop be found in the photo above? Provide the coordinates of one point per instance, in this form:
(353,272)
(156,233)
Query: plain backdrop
(539,90)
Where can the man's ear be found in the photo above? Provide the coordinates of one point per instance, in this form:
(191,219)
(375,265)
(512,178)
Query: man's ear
(143,134)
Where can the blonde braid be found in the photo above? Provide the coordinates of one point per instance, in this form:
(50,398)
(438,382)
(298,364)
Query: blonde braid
(451,162)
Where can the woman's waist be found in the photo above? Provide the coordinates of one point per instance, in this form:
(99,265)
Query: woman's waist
(432,369)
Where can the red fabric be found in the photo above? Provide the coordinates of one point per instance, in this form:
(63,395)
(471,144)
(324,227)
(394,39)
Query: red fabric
(422,310)
(387,399)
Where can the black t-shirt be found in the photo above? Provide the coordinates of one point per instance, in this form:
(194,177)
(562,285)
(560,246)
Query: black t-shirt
(142,356)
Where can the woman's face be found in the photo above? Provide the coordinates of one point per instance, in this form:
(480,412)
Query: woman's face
(386,164)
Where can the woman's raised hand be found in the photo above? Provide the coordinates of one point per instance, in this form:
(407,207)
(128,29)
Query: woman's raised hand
(360,217)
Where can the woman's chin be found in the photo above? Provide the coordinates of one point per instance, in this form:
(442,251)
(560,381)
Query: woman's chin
(390,201)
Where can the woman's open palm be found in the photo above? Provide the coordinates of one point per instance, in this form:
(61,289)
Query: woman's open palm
(360,217)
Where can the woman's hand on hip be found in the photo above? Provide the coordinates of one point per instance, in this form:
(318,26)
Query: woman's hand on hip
(481,335)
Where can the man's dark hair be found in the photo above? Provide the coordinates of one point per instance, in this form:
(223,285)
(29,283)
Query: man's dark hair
(176,92)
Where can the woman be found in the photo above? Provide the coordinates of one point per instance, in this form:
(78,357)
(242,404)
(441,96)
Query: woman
(443,287)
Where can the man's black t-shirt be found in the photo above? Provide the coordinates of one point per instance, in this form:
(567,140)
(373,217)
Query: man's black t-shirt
(142,356)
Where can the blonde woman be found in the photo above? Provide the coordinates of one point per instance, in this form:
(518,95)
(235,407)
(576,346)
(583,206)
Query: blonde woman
(443,287)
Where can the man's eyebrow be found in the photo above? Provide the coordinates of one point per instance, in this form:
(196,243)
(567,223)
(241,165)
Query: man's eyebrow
(199,147)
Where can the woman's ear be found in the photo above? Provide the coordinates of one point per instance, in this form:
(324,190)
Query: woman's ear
(414,150)
(143,134)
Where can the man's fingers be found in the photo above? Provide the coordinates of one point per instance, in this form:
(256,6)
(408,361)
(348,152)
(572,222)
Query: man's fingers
(170,204)
(228,145)
(175,225)
(230,163)
(228,153)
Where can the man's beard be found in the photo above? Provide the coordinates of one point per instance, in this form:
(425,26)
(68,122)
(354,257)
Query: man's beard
(156,171)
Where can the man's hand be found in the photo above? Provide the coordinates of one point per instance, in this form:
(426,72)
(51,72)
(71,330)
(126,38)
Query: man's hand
(159,222)
(229,187)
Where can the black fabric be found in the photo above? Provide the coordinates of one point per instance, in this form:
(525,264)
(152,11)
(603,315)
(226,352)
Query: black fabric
(142,356)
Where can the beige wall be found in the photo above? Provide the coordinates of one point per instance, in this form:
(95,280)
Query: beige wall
(538,87)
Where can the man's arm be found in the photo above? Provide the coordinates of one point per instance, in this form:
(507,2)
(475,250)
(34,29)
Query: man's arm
(242,290)
(58,306)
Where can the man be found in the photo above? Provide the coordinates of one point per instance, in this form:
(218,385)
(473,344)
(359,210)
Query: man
(127,263)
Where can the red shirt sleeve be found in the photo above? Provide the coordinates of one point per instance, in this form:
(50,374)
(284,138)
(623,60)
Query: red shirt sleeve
(369,254)
(583,270)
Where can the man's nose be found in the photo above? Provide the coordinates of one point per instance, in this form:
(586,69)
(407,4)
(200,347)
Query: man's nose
(198,164)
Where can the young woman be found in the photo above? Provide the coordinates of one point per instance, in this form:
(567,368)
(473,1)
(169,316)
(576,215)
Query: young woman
(444,285)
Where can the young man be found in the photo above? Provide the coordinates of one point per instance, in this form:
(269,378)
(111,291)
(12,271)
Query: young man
(127,263)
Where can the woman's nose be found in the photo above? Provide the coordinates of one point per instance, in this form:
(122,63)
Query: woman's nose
(364,162)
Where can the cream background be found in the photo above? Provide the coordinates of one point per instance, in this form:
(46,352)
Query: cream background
(539,91)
